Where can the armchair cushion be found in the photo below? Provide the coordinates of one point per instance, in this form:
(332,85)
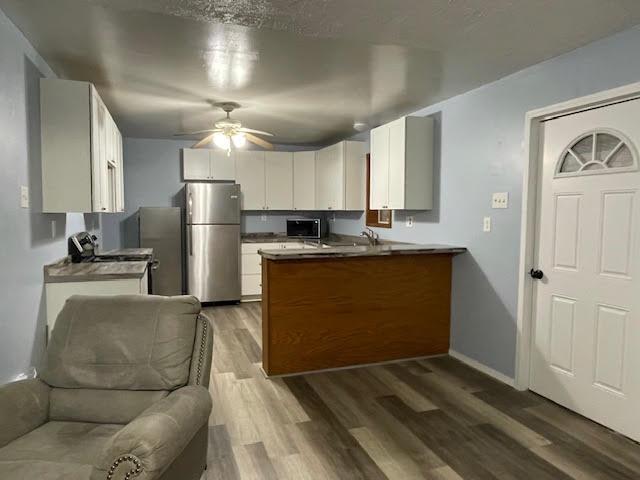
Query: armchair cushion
(56,449)
(157,436)
(24,406)
(127,342)
(100,406)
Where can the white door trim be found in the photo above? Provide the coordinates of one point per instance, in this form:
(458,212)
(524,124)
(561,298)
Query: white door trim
(530,187)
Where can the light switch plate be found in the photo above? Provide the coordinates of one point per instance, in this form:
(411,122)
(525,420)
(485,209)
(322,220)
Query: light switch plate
(486,225)
(500,200)
(263,218)
(409,222)
(24,196)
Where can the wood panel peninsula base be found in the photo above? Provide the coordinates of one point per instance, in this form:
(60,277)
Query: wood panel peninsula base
(349,306)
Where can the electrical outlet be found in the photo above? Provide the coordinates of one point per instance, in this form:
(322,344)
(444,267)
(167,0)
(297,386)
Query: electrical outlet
(24,196)
(409,222)
(263,218)
(333,217)
(500,200)
(486,225)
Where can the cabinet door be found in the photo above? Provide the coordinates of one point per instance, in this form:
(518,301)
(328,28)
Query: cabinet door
(250,176)
(99,177)
(279,180)
(355,172)
(196,164)
(304,180)
(397,177)
(120,170)
(379,193)
(330,178)
(222,165)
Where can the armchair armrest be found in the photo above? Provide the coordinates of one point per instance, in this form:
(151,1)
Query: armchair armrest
(24,406)
(148,445)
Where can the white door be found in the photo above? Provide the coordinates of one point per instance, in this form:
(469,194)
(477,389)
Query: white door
(196,164)
(250,176)
(304,180)
(586,351)
(278,168)
(379,195)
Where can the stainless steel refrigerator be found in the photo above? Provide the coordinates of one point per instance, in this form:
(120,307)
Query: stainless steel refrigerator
(161,229)
(213,241)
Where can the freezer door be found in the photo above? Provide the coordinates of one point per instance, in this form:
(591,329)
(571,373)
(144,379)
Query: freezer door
(161,229)
(213,203)
(213,262)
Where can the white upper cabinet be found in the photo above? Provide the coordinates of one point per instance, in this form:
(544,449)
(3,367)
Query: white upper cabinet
(279,180)
(340,177)
(355,171)
(330,178)
(196,164)
(304,180)
(402,165)
(250,174)
(207,164)
(82,167)
(223,165)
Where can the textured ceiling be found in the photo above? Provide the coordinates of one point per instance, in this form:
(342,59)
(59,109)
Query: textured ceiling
(304,69)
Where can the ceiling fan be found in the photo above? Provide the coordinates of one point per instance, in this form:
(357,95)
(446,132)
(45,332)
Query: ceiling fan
(228,132)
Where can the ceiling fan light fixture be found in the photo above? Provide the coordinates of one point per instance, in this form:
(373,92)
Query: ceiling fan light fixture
(239,140)
(221,140)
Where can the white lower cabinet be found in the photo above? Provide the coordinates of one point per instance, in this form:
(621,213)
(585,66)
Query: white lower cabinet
(251,277)
(58,293)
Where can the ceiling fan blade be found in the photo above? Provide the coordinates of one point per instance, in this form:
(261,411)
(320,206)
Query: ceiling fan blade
(258,141)
(204,141)
(250,130)
(196,133)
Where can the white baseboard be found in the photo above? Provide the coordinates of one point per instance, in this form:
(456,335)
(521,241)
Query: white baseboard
(501,377)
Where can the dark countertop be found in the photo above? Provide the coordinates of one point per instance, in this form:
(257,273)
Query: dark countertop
(65,271)
(334,240)
(127,251)
(361,251)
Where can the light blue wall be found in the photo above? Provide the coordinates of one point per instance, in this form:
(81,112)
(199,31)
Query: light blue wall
(28,239)
(152,178)
(480,151)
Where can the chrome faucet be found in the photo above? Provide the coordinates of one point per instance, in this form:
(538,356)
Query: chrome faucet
(372,236)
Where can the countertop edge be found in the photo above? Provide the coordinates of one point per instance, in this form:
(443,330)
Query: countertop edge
(348,252)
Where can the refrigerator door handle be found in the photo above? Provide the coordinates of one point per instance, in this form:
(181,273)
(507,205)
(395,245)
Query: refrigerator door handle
(190,209)
(190,240)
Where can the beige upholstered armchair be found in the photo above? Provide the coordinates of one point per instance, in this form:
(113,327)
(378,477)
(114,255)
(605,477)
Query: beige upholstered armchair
(122,394)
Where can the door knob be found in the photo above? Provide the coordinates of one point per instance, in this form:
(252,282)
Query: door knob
(537,274)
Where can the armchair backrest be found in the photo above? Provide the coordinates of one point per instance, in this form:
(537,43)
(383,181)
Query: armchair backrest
(123,342)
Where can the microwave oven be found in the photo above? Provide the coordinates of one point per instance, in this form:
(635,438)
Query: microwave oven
(306,228)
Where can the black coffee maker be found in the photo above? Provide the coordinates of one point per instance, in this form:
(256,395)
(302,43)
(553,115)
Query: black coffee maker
(82,247)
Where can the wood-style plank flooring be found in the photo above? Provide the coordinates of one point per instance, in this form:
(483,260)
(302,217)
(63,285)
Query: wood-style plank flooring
(434,418)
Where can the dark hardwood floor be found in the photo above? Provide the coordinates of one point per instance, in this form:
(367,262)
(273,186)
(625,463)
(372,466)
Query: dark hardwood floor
(434,418)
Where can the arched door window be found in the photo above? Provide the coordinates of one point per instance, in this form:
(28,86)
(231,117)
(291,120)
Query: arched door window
(596,152)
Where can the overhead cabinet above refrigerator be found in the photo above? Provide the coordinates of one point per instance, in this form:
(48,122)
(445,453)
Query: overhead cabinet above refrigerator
(82,163)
